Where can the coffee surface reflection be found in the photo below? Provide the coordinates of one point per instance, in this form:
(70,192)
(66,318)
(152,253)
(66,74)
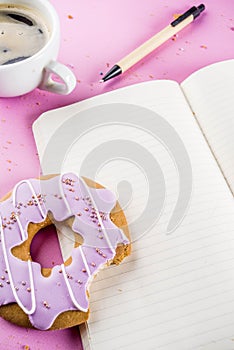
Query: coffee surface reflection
(22,34)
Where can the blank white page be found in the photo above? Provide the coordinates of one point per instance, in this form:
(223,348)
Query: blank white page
(210,92)
(175,291)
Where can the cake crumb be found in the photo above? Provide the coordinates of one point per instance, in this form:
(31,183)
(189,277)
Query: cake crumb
(176,15)
(26,347)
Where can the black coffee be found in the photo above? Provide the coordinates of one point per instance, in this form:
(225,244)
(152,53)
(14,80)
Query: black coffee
(22,33)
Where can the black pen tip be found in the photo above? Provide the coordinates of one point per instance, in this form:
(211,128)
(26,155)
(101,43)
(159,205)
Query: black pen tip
(113,72)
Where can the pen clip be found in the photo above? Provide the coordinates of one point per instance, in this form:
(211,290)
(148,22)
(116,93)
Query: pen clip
(195,11)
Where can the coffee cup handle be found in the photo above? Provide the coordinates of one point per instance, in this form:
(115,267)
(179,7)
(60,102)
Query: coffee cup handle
(68,79)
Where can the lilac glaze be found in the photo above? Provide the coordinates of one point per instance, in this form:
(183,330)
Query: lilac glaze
(44,298)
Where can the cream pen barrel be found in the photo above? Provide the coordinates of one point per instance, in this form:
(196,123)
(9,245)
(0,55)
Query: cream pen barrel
(150,45)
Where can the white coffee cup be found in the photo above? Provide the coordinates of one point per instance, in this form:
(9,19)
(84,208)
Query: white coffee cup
(36,71)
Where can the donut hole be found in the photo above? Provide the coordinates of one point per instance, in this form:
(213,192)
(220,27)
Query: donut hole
(45,248)
(42,245)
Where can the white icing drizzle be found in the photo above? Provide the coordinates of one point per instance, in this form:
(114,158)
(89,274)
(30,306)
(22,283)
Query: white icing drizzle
(22,232)
(33,193)
(78,306)
(99,217)
(33,299)
(14,195)
(63,196)
(85,261)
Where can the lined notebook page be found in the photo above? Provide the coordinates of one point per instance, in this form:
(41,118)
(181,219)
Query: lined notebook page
(175,291)
(210,92)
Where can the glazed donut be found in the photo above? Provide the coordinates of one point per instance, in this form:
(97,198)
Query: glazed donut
(56,298)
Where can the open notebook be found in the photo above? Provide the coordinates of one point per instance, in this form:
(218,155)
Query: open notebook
(175,291)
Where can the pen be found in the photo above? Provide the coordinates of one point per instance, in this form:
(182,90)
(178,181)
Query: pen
(135,56)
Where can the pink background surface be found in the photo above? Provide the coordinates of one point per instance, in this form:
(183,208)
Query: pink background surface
(94,35)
